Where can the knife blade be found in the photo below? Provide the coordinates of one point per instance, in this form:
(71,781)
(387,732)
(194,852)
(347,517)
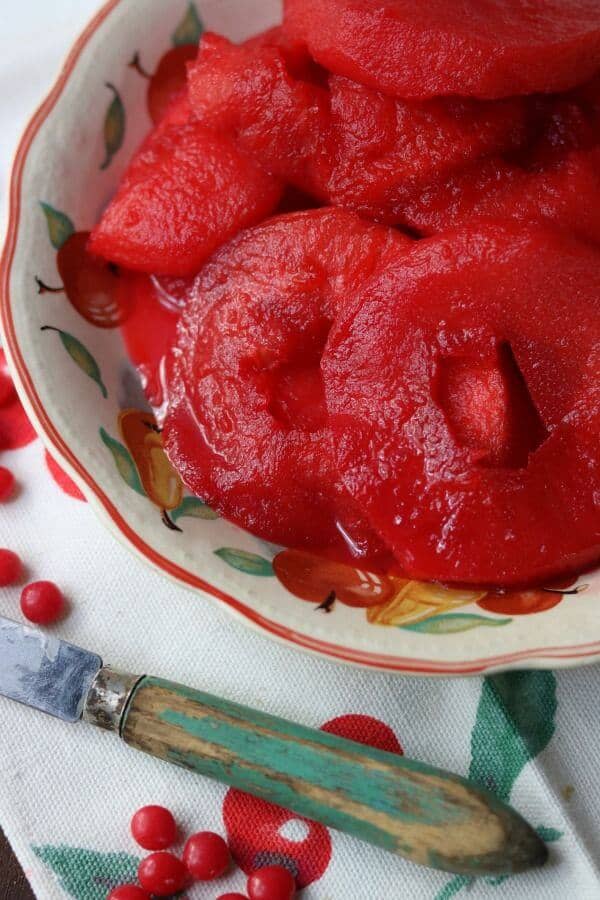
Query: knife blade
(424,814)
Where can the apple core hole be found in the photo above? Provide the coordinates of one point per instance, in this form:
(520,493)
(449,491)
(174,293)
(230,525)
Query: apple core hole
(296,392)
(489,408)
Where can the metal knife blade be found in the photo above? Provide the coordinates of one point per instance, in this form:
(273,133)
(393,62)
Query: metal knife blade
(44,672)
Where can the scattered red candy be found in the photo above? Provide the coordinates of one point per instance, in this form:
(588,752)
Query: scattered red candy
(7,483)
(162,874)
(10,567)
(271,883)
(232,897)
(154,828)
(206,856)
(128,892)
(42,602)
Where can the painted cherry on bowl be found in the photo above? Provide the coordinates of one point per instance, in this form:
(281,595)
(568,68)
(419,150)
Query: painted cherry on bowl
(91,285)
(170,75)
(520,603)
(315,579)
(167,80)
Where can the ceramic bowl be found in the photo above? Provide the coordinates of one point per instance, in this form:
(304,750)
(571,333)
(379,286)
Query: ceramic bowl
(75,379)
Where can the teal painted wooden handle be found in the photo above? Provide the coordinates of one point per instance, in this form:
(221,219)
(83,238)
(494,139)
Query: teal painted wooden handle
(422,813)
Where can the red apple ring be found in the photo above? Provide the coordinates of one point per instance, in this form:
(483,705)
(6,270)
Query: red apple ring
(493,49)
(456,501)
(339,140)
(185,191)
(247,424)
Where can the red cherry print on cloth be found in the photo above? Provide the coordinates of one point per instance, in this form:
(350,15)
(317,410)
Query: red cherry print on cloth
(365,730)
(263,834)
(271,883)
(64,481)
(15,428)
(162,874)
(129,892)
(154,828)
(42,602)
(206,856)
(7,484)
(10,567)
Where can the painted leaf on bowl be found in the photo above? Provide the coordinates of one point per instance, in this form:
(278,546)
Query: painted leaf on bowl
(515,721)
(88,874)
(114,126)
(452,623)
(60,227)
(193,507)
(124,462)
(250,563)
(80,355)
(189,30)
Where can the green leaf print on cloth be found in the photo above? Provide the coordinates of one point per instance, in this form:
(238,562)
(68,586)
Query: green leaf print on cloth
(515,720)
(87,874)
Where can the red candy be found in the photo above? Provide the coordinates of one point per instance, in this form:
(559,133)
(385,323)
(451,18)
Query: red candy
(7,484)
(206,856)
(10,567)
(129,892)
(42,602)
(421,50)
(185,192)
(455,490)
(154,828)
(246,391)
(162,874)
(271,883)
(232,897)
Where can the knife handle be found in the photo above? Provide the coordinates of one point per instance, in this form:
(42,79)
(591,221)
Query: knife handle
(421,813)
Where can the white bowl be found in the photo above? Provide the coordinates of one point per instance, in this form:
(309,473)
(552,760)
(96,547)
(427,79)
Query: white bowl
(71,157)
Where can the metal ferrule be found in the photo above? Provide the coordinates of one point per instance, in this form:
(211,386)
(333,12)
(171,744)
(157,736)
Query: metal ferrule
(108,697)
